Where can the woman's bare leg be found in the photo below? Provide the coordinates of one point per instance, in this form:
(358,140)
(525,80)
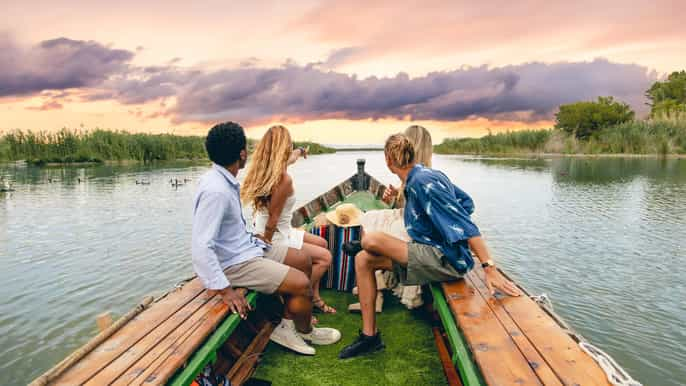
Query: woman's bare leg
(380,250)
(299,260)
(383,244)
(365,265)
(317,248)
(316,240)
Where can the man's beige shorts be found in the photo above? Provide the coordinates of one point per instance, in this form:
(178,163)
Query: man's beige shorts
(259,274)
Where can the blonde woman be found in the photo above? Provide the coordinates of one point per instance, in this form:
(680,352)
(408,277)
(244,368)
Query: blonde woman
(391,221)
(268,188)
(442,238)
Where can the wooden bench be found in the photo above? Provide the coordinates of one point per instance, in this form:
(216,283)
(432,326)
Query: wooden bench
(512,340)
(173,340)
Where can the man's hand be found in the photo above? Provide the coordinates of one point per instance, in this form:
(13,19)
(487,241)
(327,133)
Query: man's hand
(495,280)
(235,300)
(389,194)
(261,237)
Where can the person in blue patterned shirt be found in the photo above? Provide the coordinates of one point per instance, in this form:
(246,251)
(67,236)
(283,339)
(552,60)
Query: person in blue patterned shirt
(437,218)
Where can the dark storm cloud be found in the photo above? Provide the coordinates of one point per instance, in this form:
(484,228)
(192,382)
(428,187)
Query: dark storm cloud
(529,91)
(57,64)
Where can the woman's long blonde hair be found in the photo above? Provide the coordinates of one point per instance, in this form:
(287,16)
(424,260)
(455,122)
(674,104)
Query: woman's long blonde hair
(423,148)
(268,165)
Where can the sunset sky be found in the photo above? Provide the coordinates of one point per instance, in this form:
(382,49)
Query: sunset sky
(347,72)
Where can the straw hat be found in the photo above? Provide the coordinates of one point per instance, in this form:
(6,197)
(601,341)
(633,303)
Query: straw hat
(345,215)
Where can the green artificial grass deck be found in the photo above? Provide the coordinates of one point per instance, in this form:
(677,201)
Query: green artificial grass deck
(364,201)
(410,357)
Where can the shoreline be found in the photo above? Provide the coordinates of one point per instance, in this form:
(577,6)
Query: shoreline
(98,163)
(494,155)
(574,155)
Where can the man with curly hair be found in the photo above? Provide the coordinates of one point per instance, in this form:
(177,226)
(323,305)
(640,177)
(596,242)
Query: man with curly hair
(226,255)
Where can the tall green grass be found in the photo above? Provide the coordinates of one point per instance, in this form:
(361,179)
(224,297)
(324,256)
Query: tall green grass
(66,146)
(657,136)
(97,146)
(530,141)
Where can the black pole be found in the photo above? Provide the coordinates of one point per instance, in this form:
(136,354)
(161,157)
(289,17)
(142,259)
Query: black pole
(361,180)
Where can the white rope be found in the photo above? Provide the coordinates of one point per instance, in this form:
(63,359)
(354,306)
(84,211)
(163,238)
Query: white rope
(615,374)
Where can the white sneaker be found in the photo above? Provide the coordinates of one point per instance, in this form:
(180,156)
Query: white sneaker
(285,335)
(322,335)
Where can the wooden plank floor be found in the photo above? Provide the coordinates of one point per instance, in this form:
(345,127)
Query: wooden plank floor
(169,331)
(514,341)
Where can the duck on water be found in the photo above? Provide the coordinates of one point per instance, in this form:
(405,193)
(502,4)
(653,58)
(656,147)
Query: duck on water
(5,186)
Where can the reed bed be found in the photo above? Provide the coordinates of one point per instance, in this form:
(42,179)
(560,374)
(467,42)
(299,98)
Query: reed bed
(76,146)
(656,136)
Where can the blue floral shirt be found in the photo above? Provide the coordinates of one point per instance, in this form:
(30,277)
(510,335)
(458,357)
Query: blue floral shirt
(437,213)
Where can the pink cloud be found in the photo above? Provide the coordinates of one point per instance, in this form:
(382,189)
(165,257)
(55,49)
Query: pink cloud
(435,27)
(47,105)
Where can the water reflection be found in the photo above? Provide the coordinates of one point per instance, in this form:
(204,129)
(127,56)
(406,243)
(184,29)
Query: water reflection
(604,237)
(596,170)
(613,170)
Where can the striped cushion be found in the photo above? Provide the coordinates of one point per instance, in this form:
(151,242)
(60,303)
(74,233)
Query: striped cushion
(341,274)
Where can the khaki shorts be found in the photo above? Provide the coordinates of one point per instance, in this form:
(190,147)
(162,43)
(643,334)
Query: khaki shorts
(259,274)
(277,252)
(425,264)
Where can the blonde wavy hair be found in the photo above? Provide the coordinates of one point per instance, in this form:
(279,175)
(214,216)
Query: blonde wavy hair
(399,150)
(269,162)
(423,147)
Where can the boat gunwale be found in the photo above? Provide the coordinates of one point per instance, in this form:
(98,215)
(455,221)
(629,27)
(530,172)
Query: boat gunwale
(207,352)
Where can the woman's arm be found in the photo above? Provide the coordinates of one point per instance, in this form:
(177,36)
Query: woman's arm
(276,203)
(297,153)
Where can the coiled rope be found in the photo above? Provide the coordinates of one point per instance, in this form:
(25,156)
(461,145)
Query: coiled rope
(614,372)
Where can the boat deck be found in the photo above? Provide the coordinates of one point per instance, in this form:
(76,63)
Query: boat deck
(513,341)
(151,347)
(409,359)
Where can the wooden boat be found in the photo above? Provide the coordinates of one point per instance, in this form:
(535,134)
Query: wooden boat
(480,340)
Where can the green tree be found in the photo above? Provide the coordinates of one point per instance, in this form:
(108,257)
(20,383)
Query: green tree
(668,98)
(584,118)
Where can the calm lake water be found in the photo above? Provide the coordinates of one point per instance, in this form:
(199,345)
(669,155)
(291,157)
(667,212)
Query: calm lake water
(604,238)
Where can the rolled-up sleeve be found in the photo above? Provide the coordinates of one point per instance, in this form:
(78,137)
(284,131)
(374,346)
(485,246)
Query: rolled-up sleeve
(464,199)
(207,220)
